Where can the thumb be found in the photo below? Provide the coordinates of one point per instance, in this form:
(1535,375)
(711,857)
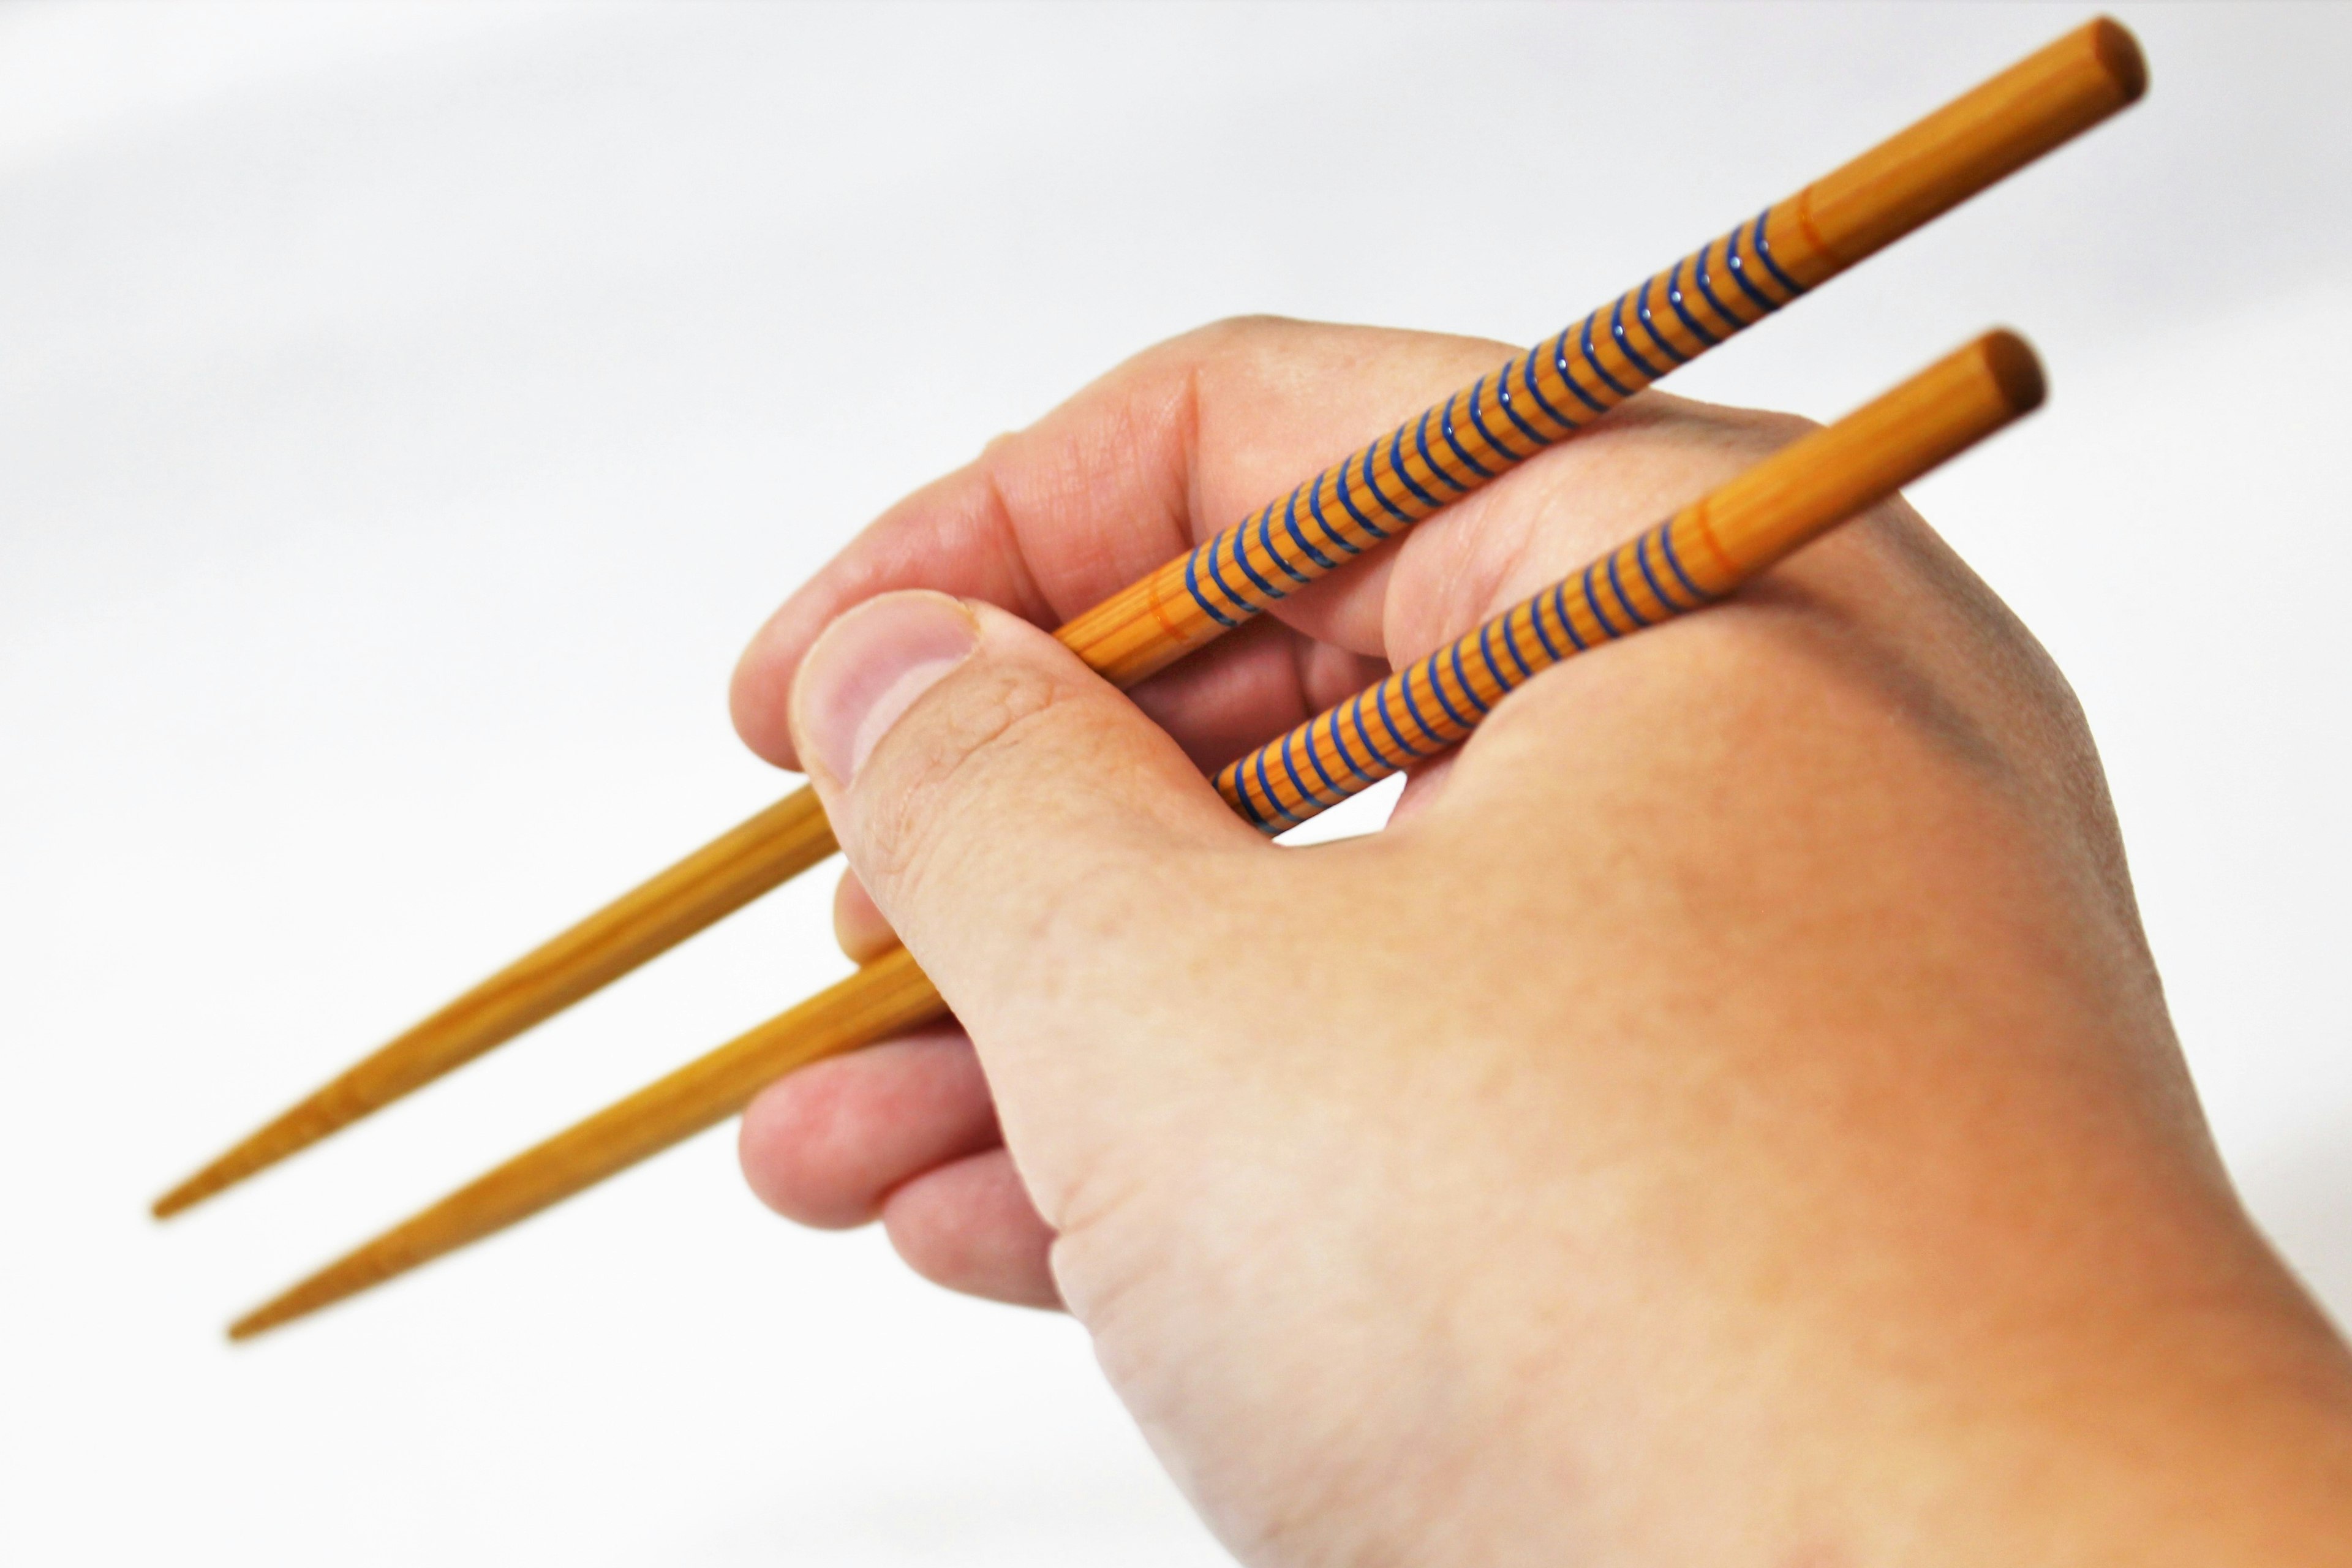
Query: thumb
(1003,804)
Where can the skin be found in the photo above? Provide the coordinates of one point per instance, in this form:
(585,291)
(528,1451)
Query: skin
(1730,1117)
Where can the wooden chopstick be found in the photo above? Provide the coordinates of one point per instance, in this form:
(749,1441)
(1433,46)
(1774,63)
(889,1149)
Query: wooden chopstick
(1535,399)
(888,997)
(1699,554)
(1692,558)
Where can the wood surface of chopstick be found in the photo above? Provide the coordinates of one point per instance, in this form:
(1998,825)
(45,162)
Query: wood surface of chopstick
(1722,540)
(716,879)
(885,997)
(1691,559)
(1533,400)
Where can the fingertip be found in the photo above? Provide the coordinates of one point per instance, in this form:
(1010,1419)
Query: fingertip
(774,1146)
(970,1227)
(759,694)
(826,1145)
(871,664)
(858,925)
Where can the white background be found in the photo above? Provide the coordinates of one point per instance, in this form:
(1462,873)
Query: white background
(405,415)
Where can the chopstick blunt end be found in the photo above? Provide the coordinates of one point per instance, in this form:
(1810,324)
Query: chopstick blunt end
(2119,56)
(2015,368)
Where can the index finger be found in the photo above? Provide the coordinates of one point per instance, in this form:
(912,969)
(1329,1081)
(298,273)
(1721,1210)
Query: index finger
(1155,457)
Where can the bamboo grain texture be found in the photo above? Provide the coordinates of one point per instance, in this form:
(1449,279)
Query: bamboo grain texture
(1530,403)
(716,880)
(1694,557)
(885,997)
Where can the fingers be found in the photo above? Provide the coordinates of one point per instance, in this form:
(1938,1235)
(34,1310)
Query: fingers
(827,1145)
(905,1131)
(1179,442)
(1262,679)
(857,925)
(972,1227)
(1650,456)
(986,784)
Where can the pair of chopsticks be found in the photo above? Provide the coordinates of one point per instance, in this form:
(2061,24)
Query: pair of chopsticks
(1531,402)
(1692,558)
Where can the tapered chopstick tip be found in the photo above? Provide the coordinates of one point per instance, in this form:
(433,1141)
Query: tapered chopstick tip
(249,1325)
(186,1196)
(284,1309)
(300,1302)
(217,1177)
(372,1265)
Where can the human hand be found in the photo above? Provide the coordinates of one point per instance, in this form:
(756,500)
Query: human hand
(1731,1112)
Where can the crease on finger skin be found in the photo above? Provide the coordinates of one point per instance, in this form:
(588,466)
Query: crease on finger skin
(1035,909)
(1117,497)
(970,1226)
(828,1145)
(1030,602)
(1816,612)
(1188,435)
(1329,674)
(913,768)
(859,928)
(1629,469)
(1130,792)
(1098,1259)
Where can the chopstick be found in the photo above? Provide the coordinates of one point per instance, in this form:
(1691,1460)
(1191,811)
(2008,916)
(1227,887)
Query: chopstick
(1692,559)
(1699,554)
(1531,402)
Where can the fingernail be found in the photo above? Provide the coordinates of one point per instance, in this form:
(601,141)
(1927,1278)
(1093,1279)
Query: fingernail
(868,669)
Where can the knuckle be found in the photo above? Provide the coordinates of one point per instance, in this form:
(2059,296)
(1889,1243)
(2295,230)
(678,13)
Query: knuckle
(1231,337)
(1248,326)
(996,454)
(1732,440)
(1812,645)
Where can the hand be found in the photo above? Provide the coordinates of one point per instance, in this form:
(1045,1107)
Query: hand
(1730,1115)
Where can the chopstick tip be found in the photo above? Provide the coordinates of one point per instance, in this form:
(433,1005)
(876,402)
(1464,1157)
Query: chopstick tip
(218,1177)
(257,1322)
(296,1130)
(349,1275)
(179,1198)
(300,1302)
